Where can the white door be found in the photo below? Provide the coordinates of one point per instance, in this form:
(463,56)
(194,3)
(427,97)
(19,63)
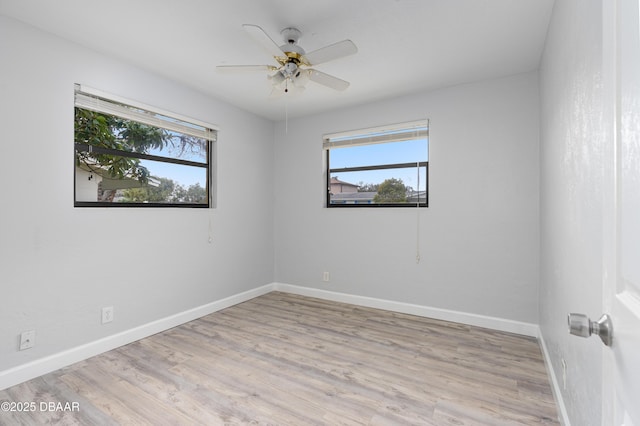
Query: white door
(621,370)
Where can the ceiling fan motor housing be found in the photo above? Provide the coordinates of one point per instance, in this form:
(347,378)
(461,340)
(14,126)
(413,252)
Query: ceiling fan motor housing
(291,35)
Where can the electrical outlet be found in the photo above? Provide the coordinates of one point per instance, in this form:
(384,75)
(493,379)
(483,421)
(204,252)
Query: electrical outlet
(564,374)
(325,276)
(27,339)
(107,314)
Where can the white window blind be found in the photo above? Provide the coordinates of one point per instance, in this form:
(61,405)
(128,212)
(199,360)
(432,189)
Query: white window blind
(95,100)
(391,133)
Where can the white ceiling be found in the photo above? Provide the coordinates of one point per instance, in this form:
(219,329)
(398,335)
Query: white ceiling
(404,45)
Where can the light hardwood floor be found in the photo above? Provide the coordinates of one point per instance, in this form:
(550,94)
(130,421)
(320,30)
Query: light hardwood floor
(285,359)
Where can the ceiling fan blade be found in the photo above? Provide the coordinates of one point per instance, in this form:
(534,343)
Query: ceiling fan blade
(245,68)
(333,51)
(263,38)
(327,80)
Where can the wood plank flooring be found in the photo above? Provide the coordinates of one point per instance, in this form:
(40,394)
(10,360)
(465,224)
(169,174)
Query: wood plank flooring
(283,359)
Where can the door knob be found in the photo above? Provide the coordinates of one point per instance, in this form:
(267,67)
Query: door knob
(581,325)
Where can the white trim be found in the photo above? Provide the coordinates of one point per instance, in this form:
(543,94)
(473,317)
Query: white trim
(387,128)
(563,416)
(115,98)
(494,323)
(383,134)
(36,368)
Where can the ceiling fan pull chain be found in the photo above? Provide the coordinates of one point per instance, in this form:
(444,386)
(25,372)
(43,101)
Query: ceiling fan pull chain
(286,115)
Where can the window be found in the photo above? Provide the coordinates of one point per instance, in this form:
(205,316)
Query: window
(132,155)
(379,167)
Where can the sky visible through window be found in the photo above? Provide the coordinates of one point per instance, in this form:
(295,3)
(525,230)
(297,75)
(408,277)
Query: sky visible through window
(411,151)
(365,155)
(182,175)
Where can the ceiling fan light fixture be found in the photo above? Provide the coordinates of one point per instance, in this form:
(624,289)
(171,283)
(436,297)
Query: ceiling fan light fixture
(301,78)
(277,78)
(290,69)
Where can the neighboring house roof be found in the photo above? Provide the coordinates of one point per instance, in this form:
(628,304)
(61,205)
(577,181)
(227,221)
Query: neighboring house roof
(337,181)
(353,196)
(368,196)
(416,196)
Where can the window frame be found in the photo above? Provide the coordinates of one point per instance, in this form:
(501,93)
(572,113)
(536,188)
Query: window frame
(102,105)
(350,138)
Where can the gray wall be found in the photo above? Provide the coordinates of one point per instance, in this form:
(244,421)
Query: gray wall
(479,237)
(572,155)
(59,265)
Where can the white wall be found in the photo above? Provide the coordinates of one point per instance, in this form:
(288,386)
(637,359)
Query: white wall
(59,265)
(572,155)
(478,238)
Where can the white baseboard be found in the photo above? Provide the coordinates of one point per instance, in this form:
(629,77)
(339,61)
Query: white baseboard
(555,384)
(493,323)
(36,368)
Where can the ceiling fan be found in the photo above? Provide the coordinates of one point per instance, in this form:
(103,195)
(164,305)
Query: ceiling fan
(293,69)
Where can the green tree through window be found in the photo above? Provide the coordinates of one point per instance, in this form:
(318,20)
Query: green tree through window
(138,157)
(391,191)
